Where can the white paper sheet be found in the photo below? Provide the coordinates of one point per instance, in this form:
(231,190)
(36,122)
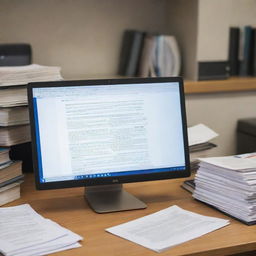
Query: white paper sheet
(167,228)
(25,232)
(200,134)
(68,240)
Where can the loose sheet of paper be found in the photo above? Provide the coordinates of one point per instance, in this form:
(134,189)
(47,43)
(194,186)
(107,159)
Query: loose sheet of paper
(200,134)
(25,232)
(167,228)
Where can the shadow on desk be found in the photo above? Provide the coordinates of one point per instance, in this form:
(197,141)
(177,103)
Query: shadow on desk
(252,253)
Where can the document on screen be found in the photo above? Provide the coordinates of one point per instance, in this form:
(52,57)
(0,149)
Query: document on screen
(167,228)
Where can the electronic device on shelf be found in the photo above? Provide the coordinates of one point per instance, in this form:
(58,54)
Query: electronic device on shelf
(103,133)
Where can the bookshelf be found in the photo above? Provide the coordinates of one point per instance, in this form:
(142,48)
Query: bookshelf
(234,84)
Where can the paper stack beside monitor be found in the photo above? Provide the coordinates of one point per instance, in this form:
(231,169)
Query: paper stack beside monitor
(229,184)
(200,145)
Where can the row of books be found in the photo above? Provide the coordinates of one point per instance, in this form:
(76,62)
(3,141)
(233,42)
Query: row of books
(242,51)
(143,54)
(14,124)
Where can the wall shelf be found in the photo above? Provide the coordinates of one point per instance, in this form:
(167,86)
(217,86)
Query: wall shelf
(216,86)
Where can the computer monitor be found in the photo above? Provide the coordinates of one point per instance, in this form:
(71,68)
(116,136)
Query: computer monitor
(103,133)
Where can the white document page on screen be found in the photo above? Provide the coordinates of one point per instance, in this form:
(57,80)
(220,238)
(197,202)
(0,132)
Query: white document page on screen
(97,131)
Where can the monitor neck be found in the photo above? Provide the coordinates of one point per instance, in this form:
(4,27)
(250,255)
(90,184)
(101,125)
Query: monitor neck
(111,198)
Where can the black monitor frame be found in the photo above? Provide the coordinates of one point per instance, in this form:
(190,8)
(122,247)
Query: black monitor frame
(108,180)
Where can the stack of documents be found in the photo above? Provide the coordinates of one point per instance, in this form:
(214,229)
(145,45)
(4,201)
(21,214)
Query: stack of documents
(229,184)
(167,228)
(25,233)
(15,75)
(199,137)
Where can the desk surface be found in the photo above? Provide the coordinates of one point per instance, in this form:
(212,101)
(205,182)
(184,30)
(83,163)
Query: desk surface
(68,208)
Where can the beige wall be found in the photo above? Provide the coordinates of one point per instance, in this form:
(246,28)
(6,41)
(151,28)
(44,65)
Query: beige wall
(81,36)
(220,111)
(183,23)
(215,18)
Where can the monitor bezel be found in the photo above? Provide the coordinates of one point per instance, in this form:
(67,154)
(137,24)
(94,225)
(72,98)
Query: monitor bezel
(106,180)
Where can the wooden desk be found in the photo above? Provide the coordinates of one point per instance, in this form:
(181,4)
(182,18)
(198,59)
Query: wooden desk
(68,208)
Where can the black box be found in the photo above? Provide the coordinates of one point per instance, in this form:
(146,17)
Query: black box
(246,135)
(15,54)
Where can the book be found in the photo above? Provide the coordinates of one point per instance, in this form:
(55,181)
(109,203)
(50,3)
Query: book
(160,56)
(20,75)
(10,192)
(233,52)
(14,116)
(245,66)
(168,60)
(12,180)
(254,52)
(13,96)
(8,172)
(145,68)
(11,135)
(4,155)
(130,52)
(189,185)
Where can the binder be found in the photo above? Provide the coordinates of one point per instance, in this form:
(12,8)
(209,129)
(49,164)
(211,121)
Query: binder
(233,55)
(246,67)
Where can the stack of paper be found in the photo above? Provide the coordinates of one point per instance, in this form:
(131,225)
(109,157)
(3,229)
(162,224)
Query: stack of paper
(167,228)
(229,184)
(25,233)
(15,75)
(199,137)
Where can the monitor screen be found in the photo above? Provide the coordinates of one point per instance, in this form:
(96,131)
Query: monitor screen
(100,132)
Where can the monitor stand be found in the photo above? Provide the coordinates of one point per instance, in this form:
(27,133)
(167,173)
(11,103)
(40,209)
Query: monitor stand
(111,198)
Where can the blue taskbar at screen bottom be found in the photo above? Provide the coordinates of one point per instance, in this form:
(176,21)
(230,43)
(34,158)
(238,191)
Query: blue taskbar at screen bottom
(110,174)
